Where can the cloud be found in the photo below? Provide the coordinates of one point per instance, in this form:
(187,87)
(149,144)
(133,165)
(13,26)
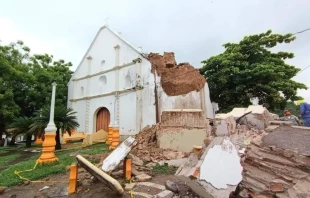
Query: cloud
(194,30)
(38,45)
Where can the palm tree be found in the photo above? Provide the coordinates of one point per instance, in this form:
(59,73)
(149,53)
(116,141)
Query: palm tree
(21,125)
(65,120)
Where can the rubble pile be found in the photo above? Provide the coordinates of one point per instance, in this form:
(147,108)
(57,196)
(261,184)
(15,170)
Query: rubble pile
(215,171)
(176,79)
(147,148)
(280,165)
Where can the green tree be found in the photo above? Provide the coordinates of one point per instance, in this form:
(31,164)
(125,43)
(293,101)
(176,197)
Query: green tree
(22,125)
(25,82)
(65,120)
(13,81)
(291,106)
(249,69)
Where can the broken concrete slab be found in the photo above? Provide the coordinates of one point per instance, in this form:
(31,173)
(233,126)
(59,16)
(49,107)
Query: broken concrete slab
(164,194)
(135,160)
(170,185)
(135,172)
(130,186)
(257,116)
(189,173)
(153,185)
(275,170)
(110,182)
(114,159)
(143,178)
(214,167)
(237,112)
(225,125)
(175,162)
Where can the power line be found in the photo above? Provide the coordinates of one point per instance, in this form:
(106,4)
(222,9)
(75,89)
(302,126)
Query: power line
(161,81)
(302,31)
(303,69)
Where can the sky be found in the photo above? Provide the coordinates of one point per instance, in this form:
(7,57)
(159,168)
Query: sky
(194,30)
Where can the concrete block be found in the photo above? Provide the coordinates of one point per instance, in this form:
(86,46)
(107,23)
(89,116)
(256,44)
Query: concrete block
(225,125)
(130,186)
(164,194)
(180,139)
(143,177)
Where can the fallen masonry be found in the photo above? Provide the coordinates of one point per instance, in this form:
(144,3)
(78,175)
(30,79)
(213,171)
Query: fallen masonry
(216,172)
(147,148)
(234,158)
(280,165)
(173,80)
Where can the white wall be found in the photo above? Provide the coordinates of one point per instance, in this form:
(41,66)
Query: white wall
(209,108)
(127,114)
(104,56)
(79,107)
(192,100)
(189,101)
(148,95)
(70,93)
(98,87)
(125,74)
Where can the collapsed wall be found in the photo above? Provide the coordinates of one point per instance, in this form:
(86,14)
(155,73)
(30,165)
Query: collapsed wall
(280,165)
(176,79)
(148,150)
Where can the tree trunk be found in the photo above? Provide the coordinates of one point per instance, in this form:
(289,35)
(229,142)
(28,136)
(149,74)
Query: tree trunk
(12,142)
(28,140)
(2,128)
(57,139)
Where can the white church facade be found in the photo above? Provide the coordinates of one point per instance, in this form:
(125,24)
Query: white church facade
(114,86)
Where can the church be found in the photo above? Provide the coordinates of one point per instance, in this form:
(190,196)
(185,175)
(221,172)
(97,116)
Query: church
(117,85)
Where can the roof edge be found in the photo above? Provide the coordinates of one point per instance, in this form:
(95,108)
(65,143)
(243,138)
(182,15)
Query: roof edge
(92,43)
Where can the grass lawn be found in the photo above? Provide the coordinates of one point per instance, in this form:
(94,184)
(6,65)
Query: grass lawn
(164,169)
(8,178)
(7,159)
(6,149)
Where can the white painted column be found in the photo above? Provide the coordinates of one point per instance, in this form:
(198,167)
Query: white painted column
(51,128)
(74,87)
(139,102)
(117,107)
(89,59)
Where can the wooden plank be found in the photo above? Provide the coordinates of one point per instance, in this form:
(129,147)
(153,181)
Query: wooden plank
(110,182)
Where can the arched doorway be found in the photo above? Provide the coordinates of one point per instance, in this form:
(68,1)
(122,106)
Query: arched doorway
(103,119)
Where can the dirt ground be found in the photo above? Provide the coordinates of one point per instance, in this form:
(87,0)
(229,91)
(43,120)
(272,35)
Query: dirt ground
(88,189)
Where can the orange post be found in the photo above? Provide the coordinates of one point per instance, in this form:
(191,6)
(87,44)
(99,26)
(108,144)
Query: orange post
(48,149)
(110,134)
(38,140)
(127,169)
(115,138)
(73,179)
